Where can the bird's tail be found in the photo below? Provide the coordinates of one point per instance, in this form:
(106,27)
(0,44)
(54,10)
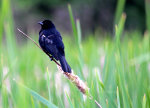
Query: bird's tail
(65,66)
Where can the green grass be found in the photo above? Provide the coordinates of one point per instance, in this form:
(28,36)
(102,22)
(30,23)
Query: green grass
(117,70)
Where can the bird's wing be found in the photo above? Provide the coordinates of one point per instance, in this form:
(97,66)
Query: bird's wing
(59,44)
(57,41)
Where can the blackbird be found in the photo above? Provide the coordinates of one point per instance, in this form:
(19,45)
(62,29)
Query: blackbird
(51,42)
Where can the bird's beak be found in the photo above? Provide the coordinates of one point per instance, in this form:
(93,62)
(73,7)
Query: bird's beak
(41,23)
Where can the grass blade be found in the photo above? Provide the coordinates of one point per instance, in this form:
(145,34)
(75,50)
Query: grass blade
(72,22)
(147,8)
(119,10)
(120,27)
(69,100)
(48,85)
(144,102)
(77,36)
(38,97)
(118,99)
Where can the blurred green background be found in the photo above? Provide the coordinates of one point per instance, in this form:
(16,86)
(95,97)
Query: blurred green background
(93,14)
(106,44)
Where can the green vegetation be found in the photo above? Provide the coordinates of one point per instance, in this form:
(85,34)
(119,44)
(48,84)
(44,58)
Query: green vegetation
(117,70)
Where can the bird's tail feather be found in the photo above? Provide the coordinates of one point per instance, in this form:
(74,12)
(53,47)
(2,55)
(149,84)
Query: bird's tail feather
(65,66)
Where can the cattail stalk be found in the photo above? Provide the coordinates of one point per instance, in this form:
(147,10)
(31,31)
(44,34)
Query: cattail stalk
(72,77)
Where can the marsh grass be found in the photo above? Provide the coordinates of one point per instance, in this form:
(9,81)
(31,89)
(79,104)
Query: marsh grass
(117,71)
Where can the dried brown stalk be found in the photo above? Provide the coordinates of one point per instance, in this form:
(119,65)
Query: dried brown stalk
(72,77)
(77,81)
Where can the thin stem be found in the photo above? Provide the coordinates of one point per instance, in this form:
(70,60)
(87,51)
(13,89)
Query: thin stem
(38,46)
(98,104)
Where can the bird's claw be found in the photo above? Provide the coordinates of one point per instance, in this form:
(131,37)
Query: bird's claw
(51,58)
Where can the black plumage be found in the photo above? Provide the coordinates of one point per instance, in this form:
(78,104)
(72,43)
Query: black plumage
(51,42)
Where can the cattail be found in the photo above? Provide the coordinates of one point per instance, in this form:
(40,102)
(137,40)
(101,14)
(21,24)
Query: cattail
(76,80)
(72,77)
(79,84)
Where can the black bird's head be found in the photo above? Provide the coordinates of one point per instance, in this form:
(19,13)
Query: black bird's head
(46,24)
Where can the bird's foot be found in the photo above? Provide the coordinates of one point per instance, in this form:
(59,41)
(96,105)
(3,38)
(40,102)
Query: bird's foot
(51,58)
